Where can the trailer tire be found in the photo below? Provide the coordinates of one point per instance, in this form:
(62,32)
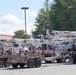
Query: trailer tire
(14,65)
(6,63)
(31,63)
(37,63)
(22,65)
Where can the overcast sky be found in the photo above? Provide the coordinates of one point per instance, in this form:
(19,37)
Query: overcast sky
(12,17)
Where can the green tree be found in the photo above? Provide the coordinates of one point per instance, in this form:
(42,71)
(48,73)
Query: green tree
(63,14)
(42,20)
(21,34)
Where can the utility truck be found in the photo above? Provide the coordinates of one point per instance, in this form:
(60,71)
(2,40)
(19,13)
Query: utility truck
(56,47)
(54,52)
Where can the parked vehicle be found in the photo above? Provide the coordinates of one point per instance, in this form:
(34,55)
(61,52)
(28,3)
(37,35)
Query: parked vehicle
(20,55)
(57,53)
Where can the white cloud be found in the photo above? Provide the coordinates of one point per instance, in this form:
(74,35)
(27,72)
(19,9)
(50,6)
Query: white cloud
(10,19)
(4,25)
(10,23)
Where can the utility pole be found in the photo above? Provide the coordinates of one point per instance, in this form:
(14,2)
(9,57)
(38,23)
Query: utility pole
(25,8)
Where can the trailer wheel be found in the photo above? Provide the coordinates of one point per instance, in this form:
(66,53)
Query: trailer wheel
(14,65)
(37,63)
(22,65)
(6,63)
(31,63)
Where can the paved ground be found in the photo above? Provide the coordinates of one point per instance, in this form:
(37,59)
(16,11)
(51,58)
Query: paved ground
(45,69)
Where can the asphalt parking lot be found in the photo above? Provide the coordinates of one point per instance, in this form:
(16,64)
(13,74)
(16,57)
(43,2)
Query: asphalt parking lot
(45,69)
